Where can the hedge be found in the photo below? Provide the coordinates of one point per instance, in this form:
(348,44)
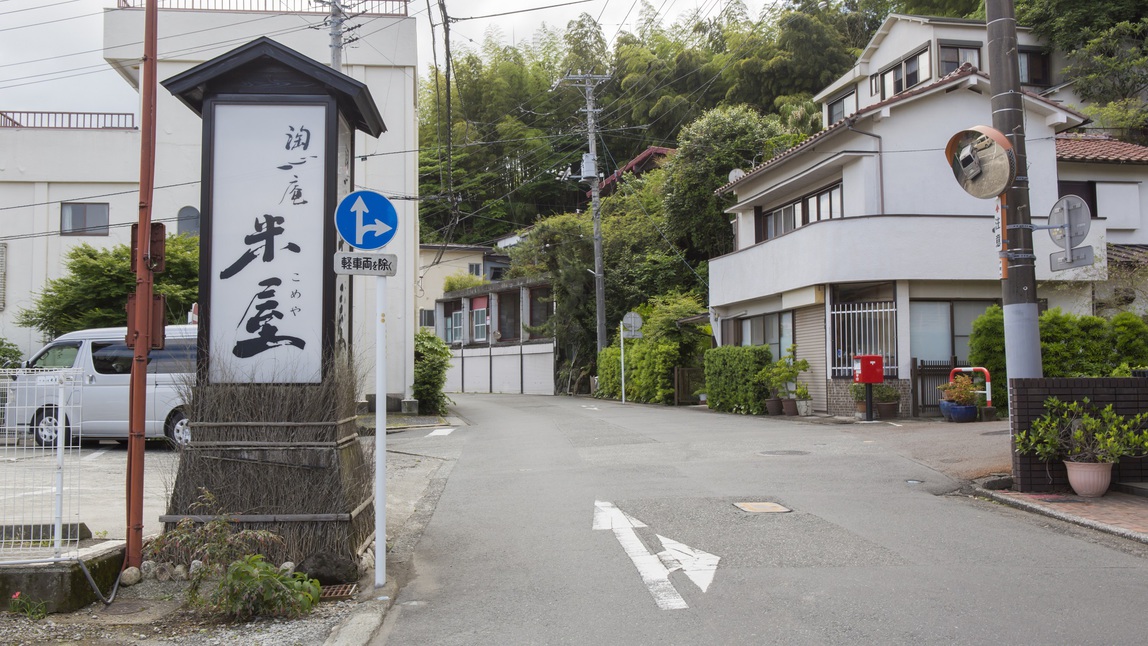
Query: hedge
(649,371)
(730,383)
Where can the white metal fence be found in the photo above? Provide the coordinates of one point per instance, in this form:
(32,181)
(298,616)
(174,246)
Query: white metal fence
(39,464)
(864,328)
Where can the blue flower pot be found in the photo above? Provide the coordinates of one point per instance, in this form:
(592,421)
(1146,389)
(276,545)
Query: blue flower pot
(946,405)
(960,413)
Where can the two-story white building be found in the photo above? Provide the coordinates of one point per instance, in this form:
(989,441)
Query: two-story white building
(860,241)
(68,178)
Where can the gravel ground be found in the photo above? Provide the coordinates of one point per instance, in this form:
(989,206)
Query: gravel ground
(162,620)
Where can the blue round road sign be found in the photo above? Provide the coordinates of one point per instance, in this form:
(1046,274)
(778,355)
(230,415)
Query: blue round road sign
(366,220)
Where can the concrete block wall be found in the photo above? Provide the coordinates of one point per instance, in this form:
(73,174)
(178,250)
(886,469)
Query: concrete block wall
(840,400)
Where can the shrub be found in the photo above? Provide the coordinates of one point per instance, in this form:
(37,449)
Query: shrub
(462,280)
(252,587)
(432,358)
(881,393)
(215,542)
(730,384)
(1130,339)
(987,350)
(649,371)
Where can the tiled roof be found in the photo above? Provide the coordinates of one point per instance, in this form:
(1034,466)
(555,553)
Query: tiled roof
(1099,148)
(1136,254)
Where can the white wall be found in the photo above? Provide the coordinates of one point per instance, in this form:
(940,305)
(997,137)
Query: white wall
(1121,197)
(39,169)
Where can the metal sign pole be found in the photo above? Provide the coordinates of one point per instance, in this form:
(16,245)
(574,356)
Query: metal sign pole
(622,340)
(381,433)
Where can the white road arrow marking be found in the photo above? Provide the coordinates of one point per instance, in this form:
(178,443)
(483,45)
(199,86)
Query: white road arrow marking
(654,569)
(698,565)
(359,208)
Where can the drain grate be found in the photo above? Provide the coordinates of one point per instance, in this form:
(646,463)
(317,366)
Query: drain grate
(762,507)
(338,592)
(770,454)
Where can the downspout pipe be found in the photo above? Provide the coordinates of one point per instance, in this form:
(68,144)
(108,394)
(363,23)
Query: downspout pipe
(880,164)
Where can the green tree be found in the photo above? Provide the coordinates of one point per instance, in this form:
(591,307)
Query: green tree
(10,355)
(708,149)
(94,290)
(1068,24)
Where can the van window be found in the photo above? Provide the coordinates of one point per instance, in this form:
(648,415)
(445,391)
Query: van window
(111,358)
(177,356)
(57,355)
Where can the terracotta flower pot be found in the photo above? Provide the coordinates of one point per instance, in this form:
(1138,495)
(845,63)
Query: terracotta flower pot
(789,406)
(887,410)
(1089,479)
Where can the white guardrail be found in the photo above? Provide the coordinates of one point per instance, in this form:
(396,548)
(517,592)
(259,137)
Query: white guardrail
(39,464)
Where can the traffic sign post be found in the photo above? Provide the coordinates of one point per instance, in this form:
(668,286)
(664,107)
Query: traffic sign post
(629,328)
(368,220)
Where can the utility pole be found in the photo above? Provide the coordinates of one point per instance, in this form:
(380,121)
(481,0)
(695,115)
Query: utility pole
(1021,315)
(141,317)
(336,20)
(587,83)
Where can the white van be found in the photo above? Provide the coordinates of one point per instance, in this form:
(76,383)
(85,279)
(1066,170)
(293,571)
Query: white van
(103,362)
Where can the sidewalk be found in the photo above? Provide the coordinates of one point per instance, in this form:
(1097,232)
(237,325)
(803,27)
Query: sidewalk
(1116,513)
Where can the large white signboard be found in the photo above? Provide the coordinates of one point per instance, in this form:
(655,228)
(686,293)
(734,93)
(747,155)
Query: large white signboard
(267,243)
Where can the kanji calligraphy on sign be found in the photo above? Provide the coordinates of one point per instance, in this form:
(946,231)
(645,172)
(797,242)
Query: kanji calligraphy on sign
(267,243)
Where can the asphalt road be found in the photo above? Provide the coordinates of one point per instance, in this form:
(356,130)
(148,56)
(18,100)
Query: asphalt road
(881,546)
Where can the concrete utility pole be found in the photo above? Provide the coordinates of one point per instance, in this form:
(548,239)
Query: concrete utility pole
(587,83)
(1022,329)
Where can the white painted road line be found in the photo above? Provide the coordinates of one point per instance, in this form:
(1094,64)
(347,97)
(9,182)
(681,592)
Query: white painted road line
(655,570)
(93,456)
(440,431)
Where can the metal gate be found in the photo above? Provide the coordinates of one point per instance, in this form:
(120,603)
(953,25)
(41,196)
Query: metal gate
(927,375)
(687,381)
(40,478)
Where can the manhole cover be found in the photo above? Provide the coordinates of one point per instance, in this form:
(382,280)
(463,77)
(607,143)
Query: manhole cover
(128,607)
(769,454)
(1004,432)
(337,592)
(762,507)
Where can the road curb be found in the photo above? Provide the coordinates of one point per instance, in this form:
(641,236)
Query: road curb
(1068,518)
(364,624)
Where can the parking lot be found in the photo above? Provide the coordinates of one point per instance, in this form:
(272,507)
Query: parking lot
(98,486)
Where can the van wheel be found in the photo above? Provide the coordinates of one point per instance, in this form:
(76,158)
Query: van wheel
(45,427)
(178,429)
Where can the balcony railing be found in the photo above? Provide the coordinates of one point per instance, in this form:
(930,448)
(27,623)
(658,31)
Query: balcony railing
(68,120)
(368,7)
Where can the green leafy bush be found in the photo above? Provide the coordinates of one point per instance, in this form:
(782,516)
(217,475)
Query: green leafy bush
(462,280)
(1130,339)
(252,587)
(730,384)
(432,358)
(649,371)
(1070,345)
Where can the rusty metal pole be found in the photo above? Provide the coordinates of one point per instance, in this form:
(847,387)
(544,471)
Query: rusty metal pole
(142,316)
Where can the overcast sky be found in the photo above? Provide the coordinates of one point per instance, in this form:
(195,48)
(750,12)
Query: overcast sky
(51,50)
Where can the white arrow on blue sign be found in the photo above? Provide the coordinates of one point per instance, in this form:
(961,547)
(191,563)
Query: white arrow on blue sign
(366,220)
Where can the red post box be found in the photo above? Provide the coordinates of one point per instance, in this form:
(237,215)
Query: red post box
(868,369)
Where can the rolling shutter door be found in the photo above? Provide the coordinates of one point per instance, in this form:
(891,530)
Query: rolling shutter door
(809,335)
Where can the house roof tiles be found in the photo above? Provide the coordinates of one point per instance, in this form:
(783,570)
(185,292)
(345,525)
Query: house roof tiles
(1099,148)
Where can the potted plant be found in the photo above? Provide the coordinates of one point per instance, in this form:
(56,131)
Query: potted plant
(804,399)
(785,378)
(887,400)
(766,380)
(962,397)
(1089,440)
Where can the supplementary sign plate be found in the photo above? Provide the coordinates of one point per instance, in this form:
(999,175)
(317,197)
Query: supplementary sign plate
(366,264)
